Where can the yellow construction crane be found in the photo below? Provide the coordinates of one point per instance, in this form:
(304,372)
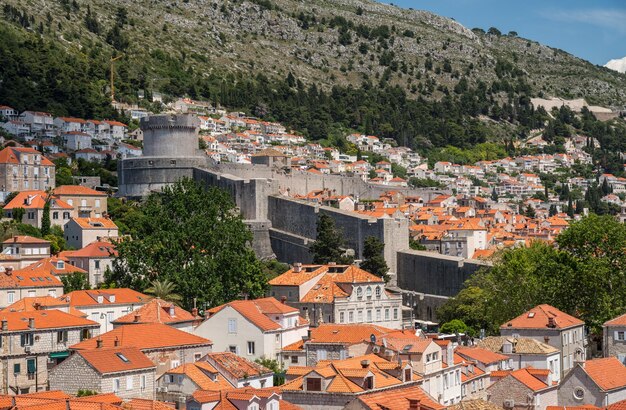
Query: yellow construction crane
(113,59)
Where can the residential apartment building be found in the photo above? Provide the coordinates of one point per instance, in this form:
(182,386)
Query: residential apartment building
(530,389)
(32,204)
(80,232)
(94,258)
(32,340)
(165,346)
(26,282)
(23,250)
(338,294)
(525,352)
(253,328)
(614,338)
(105,305)
(87,202)
(215,371)
(599,382)
(23,169)
(239,399)
(41,123)
(549,325)
(123,371)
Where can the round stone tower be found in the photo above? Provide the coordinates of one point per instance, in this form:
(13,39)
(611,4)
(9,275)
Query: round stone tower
(170,136)
(170,152)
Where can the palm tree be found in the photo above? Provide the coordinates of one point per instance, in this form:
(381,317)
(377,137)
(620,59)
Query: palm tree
(164,289)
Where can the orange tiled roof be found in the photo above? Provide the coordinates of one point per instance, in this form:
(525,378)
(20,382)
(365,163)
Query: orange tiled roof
(30,304)
(29,277)
(25,239)
(398,399)
(145,337)
(95,223)
(197,373)
(235,365)
(346,333)
(121,296)
(618,321)
(608,373)
(51,266)
(481,355)
(35,200)
(72,190)
(117,359)
(44,319)
(157,311)
(97,249)
(147,404)
(538,318)
(523,376)
(11,155)
(257,311)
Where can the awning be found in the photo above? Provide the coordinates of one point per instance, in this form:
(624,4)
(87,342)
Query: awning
(59,355)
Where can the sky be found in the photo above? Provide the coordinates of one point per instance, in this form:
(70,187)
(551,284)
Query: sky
(591,29)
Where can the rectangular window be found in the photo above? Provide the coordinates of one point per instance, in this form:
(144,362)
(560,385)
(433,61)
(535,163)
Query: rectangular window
(62,336)
(17,368)
(378,315)
(97,264)
(232,326)
(26,339)
(116,385)
(322,354)
(387,315)
(31,367)
(55,215)
(232,349)
(197,356)
(314,384)
(97,203)
(129,382)
(351,317)
(294,359)
(360,316)
(369,315)
(341,317)
(395,314)
(250,348)
(10,297)
(142,382)
(621,336)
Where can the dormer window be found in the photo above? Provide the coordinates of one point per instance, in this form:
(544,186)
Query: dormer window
(60,265)
(313,384)
(112,298)
(408,375)
(378,292)
(359,293)
(369,383)
(100,299)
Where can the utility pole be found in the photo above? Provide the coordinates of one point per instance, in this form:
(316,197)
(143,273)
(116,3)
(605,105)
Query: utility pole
(113,59)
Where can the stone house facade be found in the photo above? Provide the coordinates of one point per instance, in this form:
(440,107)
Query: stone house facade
(614,338)
(30,342)
(599,382)
(551,326)
(125,372)
(522,390)
(87,202)
(23,169)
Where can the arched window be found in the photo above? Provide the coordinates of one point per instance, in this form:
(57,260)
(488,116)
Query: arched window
(359,292)
(368,292)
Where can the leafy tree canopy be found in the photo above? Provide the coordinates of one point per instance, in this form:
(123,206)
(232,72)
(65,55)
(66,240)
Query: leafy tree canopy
(329,245)
(194,238)
(373,258)
(584,276)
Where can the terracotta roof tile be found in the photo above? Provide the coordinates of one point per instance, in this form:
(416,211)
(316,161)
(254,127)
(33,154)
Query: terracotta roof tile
(95,223)
(157,311)
(618,321)
(97,249)
(29,277)
(398,399)
(608,373)
(77,190)
(25,239)
(121,296)
(235,365)
(254,311)
(44,319)
(116,359)
(197,373)
(346,333)
(147,404)
(144,337)
(538,318)
(521,345)
(477,404)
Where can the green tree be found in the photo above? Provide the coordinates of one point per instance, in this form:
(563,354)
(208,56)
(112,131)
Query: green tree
(329,245)
(530,211)
(75,281)
(455,326)
(195,238)
(163,289)
(18,214)
(494,195)
(274,366)
(45,218)
(373,258)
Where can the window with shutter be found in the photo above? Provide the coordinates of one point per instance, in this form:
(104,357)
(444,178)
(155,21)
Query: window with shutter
(313,384)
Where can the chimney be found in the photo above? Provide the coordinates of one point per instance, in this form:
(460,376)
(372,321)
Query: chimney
(283,299)
(31,322)
(137,317)
(172,311)
(332,263)
(5,324)
(365,364)
(37,306)
(551,322)
(297,267)
(546,339)
(414,404)
(116,342)
(98,343)
(8,270)
(194,312)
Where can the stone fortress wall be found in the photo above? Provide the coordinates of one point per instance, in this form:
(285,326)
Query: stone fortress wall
(284,227)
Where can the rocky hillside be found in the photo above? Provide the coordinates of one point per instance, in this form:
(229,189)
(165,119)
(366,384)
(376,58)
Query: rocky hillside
(322,42)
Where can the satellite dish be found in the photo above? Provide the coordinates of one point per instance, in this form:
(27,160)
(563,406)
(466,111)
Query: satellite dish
(373,338)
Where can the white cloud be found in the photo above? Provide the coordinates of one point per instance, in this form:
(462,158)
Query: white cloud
(618,65)
(607,18)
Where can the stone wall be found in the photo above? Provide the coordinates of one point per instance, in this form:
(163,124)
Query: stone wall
(63,376)
(612,346)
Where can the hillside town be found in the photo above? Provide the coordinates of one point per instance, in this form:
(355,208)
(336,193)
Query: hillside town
(325,335)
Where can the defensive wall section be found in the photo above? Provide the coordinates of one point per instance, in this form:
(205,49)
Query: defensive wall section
(284,227)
